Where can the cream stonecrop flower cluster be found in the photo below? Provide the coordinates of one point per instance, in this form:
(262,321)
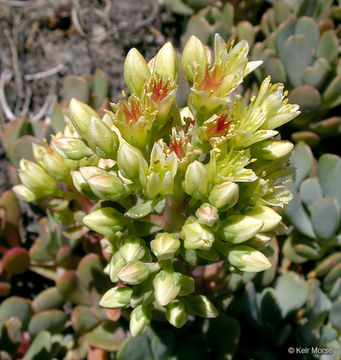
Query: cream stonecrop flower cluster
(172,189)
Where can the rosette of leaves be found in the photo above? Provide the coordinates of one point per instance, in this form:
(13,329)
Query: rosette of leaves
(174,189)
(314,211)
(48,327)
(292,313)
(227,18)
(301,49)
(14,258)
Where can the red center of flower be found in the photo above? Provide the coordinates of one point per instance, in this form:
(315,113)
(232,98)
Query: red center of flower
(176,145)
(219,126)
(159,92)
(210,83)
(133,114)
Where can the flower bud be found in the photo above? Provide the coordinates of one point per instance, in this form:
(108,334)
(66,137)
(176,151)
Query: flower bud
(201,306)
(116,264)
(264,213)
(225,194)
(70,148)
(187,285)
(166,286)
(106,221)
(194,54)
(36,179)
(38,153)
(116,298)
(81,185)
(107,186)
(131,161)
(196,236)
(272,149)
(143,294)
(135,71)
(165,246)
(239,228)
(103,141)
(134,273)
(207,214)
(25,193)
(139,320)
(176,313)
(196,180)
(80,115)
(247,259)
(132,248)
(259,241)
(166,63)
(56,166)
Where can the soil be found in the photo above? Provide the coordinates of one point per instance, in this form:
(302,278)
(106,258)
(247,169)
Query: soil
(62,38)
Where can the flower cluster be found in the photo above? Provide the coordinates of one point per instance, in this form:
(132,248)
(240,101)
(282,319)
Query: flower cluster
(174,189)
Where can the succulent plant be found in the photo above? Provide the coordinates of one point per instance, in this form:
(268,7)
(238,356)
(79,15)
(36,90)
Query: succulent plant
(222,19)
(171,190)
(301,49)
(314,211)
(294,313)
(14,259)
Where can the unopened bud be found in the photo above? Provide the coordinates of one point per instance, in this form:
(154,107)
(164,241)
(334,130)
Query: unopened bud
(106,186)
(36,179)
(134,273)
(80,114)
(101,139)
(166,286)
(143,294)
(225,194)
(247,259)
(207,214)
(264,213)
(197,236)
(38,153)
(116,264)
(116,298)
(176,313)
(135,71)
(70,148)
(25,193)
(132,248)
(139,320)
(166,63)
(131,161)
(194,54)
(239,228)
(106,221)
(165,246)
(201,306)
(272,149)
(56,166)
(259,241)
(81,185)
(196,180)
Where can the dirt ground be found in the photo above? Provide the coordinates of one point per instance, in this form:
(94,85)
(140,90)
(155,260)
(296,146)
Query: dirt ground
(42,41)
